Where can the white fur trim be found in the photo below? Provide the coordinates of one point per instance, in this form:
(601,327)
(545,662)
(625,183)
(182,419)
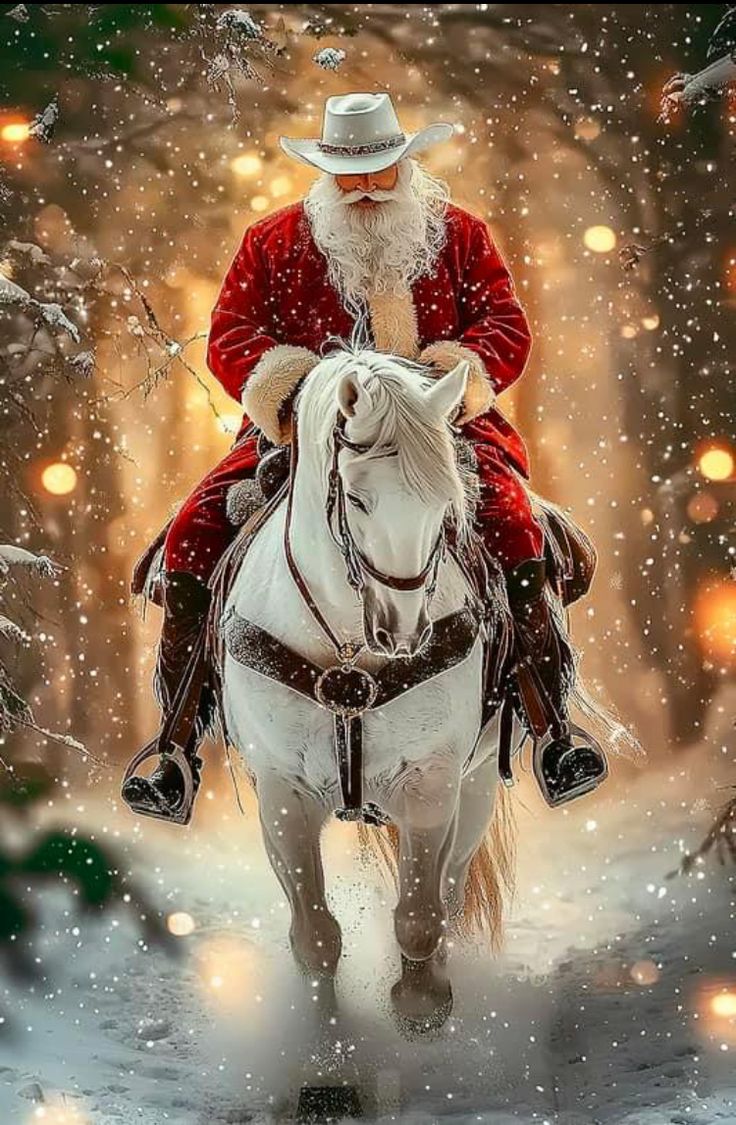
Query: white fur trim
(270,386)
(479,393)
(394,323)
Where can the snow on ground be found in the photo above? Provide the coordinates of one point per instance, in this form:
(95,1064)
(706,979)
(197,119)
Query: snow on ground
(598,1011)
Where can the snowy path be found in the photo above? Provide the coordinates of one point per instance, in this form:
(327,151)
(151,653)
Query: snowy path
(559,1029)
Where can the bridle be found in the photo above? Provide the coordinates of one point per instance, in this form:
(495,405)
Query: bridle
(357,564)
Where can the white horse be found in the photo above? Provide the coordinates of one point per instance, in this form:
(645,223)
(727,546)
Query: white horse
(423,764)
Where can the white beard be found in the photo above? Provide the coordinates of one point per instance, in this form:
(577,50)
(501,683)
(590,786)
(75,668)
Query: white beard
(383,248)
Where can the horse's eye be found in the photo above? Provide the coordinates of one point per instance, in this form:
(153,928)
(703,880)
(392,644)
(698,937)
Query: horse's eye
(357,502)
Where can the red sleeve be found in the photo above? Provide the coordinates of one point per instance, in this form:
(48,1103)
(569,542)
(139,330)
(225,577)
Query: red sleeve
(241,326)
(493,323)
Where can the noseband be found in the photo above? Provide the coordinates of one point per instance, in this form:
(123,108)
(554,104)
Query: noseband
(357,565)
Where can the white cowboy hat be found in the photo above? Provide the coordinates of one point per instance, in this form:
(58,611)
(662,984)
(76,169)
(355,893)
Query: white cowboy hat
(361,133)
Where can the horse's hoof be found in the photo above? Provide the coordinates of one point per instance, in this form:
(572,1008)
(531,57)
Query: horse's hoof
(421,1011)
(318,1104)
(412,1029)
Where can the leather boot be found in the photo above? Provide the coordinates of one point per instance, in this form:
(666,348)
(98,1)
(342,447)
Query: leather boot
(568,762)
(185,602)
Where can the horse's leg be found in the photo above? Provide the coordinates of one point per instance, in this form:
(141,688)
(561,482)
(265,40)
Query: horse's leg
(292,821)
(425,813)
(477,796)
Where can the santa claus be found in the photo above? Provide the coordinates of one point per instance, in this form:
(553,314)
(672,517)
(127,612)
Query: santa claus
(376,245)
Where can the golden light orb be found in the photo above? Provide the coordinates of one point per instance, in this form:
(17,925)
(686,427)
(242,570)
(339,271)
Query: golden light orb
(229,971)
(180,924)
(248,164)
(259,203)
(715,620)
(644,973)
(717,463)
(15,132)
(702,507)
(59,478)
(723,1004)
(650,322)
(587,128)
(280,186)
(58,1114)
(600,239)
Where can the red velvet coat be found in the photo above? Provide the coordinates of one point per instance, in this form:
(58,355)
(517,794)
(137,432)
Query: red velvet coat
(277,293)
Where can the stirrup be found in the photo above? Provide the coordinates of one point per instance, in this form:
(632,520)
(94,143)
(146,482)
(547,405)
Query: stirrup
(182,814)
(578,739)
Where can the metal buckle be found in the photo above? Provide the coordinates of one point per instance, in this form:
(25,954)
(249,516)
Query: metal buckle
(345,679)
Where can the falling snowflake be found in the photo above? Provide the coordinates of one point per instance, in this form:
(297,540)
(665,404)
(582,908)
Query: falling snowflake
(329,58)
(83,364)
(44,123)
(236,19)
(630,255)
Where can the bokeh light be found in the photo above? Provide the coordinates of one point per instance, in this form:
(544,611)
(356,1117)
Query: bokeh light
(248,164)
(715,620)
(715,1009)
(64,1113)
(600,239)
(280,186)
(180,924)
(702,507)
(229,972)
(587,128)
(724,1004)
(644,973)
(59,478)
(15,132)
(717,463)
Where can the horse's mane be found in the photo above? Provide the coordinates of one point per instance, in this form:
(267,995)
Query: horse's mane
(403,423)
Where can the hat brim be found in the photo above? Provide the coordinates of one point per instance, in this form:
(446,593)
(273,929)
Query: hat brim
(309,152)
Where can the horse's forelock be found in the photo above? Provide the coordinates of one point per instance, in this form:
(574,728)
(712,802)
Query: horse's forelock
(402,419)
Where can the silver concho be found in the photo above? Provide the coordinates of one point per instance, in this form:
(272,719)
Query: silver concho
(346,690)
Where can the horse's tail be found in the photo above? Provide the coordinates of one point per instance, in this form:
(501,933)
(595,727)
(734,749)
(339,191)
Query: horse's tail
(491,877)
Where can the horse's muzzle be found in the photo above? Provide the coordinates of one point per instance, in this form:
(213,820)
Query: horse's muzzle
(383,642)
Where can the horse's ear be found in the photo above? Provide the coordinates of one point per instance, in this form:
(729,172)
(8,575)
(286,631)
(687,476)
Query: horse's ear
(447,393)
(349,391)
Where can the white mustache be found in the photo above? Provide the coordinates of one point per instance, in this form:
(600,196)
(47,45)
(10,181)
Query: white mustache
(378,196)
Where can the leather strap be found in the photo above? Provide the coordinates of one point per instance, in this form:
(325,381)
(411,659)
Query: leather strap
(453,637)
(505,735)
(452,640)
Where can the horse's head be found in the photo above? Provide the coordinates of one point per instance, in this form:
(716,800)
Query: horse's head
(398,478)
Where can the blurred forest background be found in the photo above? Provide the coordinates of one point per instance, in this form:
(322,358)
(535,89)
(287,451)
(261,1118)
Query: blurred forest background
(138,141)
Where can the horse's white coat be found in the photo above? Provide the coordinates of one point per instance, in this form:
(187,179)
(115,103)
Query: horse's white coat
(415,748)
